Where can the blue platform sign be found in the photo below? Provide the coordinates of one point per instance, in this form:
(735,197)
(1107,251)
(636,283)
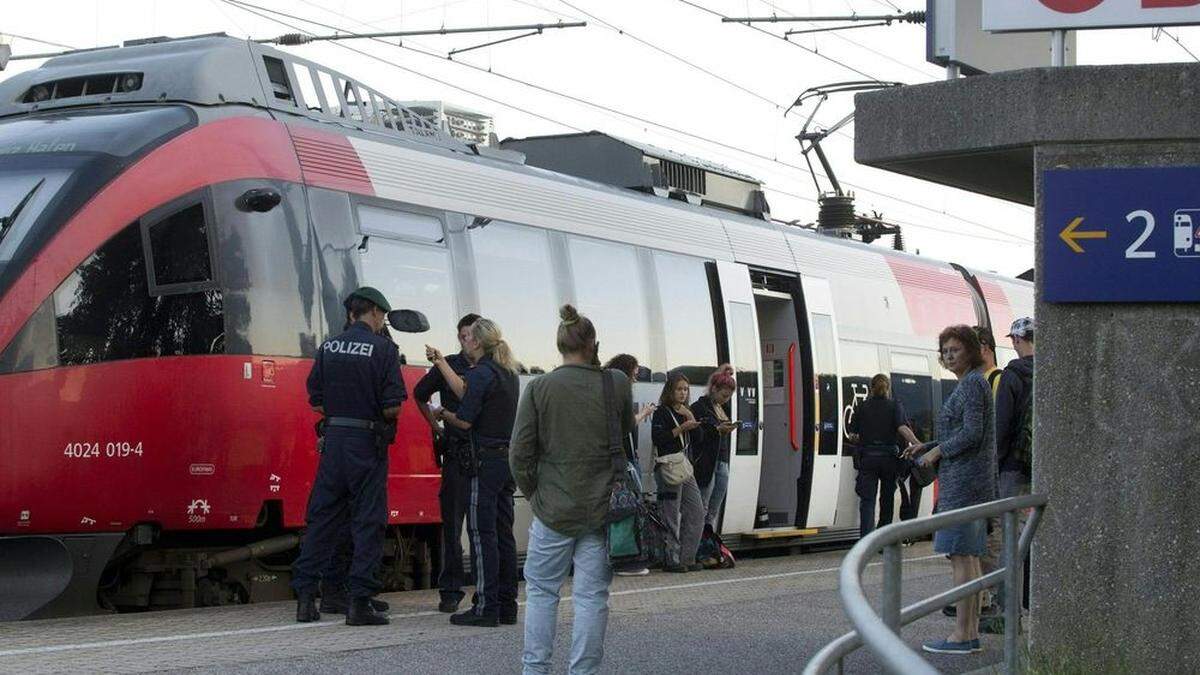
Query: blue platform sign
(1121,235)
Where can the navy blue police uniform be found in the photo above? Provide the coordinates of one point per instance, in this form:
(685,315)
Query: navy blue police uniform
(490,406)
(456,478)
(334,591)
(355,377)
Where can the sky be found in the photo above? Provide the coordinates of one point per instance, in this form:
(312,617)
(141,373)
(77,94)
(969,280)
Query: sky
(666,72)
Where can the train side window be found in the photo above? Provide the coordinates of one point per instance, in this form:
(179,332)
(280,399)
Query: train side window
(517,289)
(915,394)
(825,361)
(105,310)
(860,362)
(413,276)
(375,220)
(35,347)
(611,292)
(178,243)
(687,310)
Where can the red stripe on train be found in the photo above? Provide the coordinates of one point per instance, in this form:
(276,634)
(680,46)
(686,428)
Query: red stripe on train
(936,296)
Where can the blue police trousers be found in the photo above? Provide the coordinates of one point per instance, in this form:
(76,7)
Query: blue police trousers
(351,487)
(490,524)
(453,497)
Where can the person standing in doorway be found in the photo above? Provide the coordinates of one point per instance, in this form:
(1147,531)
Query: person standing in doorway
(628,364)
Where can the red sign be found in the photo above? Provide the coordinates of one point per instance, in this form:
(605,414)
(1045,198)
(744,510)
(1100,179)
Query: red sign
(1036,15)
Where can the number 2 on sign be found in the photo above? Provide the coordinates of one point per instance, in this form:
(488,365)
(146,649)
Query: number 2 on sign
(1148,218)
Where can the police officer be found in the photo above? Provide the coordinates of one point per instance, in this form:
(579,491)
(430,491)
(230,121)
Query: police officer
(488,410)
(355,383)
(335,594)
(453,448)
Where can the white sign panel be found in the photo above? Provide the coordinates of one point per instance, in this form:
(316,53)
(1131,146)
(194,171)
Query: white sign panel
(953,36)
(1025,15)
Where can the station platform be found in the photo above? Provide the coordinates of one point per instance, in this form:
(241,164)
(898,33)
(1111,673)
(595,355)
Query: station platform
(766,615)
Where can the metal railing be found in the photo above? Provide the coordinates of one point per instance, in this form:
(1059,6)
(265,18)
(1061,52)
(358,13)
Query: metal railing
(881,633)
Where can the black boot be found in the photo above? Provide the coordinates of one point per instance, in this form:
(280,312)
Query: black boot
(339,603)
(470,618)
(306,607)
(508,614)
(362,613)
(334,602)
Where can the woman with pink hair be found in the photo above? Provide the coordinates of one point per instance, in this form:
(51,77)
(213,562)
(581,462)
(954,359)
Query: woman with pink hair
(711,451)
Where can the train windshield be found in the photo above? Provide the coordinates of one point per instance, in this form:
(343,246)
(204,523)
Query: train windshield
(52,164)
(24,195)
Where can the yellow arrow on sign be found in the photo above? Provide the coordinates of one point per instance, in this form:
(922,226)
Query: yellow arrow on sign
(1069,235)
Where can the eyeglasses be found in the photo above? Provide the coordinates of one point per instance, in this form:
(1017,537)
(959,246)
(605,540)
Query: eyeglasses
(950,351)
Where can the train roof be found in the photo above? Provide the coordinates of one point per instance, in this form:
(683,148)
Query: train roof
(211,70)
(215,70)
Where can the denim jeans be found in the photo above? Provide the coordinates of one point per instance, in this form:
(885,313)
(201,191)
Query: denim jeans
(547,561)
(714,494)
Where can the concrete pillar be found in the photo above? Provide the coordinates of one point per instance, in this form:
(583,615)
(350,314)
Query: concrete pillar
(1116,564)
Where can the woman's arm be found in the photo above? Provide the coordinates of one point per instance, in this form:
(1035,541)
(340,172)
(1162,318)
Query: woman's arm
(908,434)
(970,435)
(524,449)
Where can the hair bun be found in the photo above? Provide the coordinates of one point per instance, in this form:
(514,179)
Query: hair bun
(568,314)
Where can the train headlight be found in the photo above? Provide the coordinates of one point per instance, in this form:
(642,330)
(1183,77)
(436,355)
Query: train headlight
(131,82)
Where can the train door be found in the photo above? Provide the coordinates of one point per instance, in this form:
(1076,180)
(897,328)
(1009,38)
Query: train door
(782,390)
(737,299)
(827,459)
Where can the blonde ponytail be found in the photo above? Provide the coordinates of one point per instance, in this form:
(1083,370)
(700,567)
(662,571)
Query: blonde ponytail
(489,337)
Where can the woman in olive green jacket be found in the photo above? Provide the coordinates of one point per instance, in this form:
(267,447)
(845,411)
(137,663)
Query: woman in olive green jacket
(561,462)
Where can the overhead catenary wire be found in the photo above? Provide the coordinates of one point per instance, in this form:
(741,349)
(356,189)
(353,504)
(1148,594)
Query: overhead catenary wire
(246,6)
(672,55)
(38,40)
(1164,31)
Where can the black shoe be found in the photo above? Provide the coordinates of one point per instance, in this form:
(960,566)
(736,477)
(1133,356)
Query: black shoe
(470,618)
(340,604)
(696,567)
(306,608)
(448,605)
(677,569)
(362,613)
(950,611)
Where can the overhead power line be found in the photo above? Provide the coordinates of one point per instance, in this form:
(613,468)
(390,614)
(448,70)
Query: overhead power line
(608,109)
(293,39)
(672,55)
(39,40)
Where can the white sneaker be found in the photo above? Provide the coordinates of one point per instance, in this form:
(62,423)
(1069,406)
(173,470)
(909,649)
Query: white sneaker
(633,573)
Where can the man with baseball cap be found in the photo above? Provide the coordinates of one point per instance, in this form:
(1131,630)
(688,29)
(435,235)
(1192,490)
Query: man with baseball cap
(355,384)
(1014,422)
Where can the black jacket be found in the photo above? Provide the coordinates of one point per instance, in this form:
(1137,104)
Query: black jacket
(709,445)
(1016,385)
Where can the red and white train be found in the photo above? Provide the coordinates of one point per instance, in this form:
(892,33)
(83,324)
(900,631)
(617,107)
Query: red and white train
(180,220)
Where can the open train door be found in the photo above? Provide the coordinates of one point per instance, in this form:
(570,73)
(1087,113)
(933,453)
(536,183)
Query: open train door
(827,455)
(741,328)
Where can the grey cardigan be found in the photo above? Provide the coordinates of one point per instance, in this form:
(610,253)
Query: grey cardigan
(967,471)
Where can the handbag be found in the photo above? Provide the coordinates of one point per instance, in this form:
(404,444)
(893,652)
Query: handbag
(623,500)
(676,468)
(923,474)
